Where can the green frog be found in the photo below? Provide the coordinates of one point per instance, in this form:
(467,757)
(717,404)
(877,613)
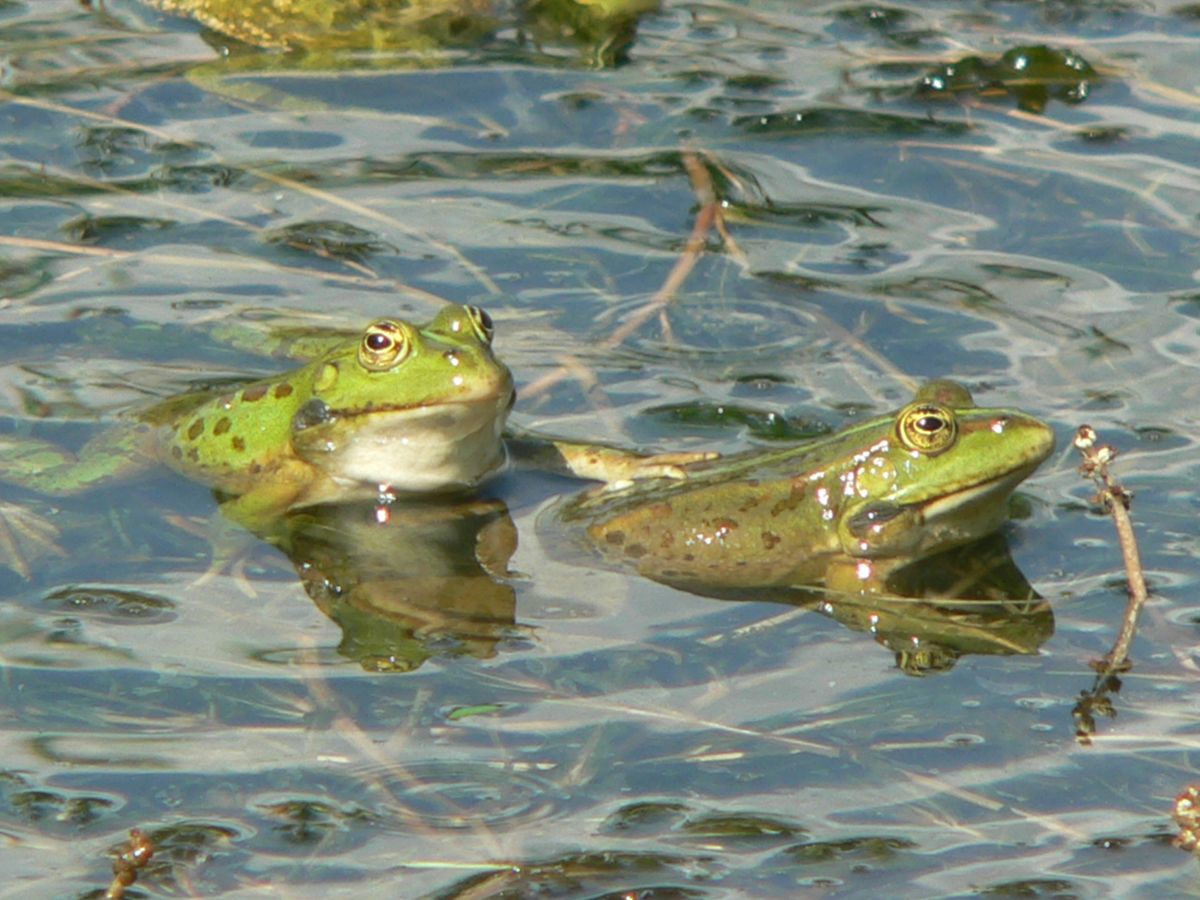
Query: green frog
(845,510)
(412,25)
(396,409)
(328,24)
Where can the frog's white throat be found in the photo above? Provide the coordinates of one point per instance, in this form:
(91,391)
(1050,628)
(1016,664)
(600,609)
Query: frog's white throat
(448,447)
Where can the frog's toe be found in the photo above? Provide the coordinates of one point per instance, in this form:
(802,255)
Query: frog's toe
(671,465)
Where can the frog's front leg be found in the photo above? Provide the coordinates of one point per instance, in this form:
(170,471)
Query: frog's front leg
(261,509)
(600,462)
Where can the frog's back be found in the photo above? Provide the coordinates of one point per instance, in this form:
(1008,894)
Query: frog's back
(333,24)
(229,439)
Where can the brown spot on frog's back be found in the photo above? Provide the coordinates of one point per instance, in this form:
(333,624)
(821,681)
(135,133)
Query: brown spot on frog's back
(749,503)
(770,540)
(195,429)
(653,511)
(614,537)
(239,443)
(794,498)
(284,389)
(254,393)
(635,551)
(222,426)
(193,454)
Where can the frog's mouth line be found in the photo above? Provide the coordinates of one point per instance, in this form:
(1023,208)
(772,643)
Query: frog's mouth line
(418,408)
(950,503)
(468,408)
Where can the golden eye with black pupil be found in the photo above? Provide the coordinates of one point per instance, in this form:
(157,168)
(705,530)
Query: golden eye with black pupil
(482,323)
(927,428)
(383,345)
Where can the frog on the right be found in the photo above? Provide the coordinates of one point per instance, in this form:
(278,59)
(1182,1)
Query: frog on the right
(845,510)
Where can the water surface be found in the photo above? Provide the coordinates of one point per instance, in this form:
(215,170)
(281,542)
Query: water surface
(899,206)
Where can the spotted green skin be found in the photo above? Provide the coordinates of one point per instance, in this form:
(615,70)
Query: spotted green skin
(859,501)
(402,25)
(334,429)
(378,24)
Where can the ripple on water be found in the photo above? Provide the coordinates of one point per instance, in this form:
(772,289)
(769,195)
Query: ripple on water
(752,329)
(460,795)
(1185,615)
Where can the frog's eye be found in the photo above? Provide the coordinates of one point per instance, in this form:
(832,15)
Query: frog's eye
(482,323)
(927,428)
(383,345)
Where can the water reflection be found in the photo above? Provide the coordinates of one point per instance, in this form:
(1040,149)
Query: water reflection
(408,581)
(971,599)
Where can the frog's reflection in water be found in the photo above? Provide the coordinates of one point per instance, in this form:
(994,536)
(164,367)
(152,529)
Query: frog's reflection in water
(431,580)
(409,581)
(972,599)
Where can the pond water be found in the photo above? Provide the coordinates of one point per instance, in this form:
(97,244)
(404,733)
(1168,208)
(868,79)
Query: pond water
(1005,193)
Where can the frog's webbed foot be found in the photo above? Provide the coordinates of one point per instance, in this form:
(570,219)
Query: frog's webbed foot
(25,538)
(620,468)
(662,465)
(600,462)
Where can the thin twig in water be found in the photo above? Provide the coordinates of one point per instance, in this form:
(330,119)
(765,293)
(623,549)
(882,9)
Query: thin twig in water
(709,216)
(216,262)
(1115,499)
(280,180)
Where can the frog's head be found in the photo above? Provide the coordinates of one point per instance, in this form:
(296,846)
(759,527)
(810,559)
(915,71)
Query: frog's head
(412,409)
(939,474)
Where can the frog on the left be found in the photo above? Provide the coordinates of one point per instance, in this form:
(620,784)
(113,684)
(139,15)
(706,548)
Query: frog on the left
(399,408)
